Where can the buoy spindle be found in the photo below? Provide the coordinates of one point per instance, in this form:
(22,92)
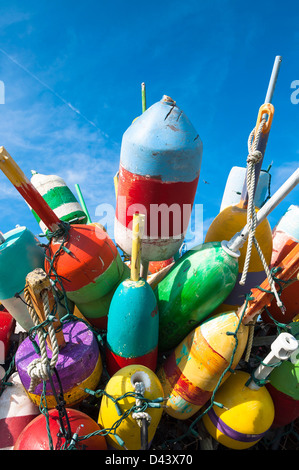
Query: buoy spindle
(137,234)
(82,202)
(281,349)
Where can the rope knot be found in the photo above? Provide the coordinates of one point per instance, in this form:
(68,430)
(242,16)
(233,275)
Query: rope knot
(254,157)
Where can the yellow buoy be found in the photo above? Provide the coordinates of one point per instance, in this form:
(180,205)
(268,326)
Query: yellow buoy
(192,371)
(121,383)
(247,416)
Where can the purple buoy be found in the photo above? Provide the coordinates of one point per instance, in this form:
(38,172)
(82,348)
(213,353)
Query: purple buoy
(79,365)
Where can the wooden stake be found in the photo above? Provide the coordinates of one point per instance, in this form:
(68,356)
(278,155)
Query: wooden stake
(37,283)
(137,234)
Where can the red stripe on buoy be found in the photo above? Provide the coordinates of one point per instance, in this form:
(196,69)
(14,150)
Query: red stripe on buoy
(148,191)
(115,362)
(183,387)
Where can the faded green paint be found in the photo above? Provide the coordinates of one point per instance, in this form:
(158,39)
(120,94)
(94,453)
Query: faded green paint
(196,285)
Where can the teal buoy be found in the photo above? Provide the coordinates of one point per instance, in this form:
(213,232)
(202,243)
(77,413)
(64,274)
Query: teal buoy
(133,319)
(19,255)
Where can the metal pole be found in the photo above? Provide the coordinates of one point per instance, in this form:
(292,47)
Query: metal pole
(262,143)
(273,79)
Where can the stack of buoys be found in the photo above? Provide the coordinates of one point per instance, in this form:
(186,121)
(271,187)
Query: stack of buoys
(19,254)
(285,237)
(60,198)
(159,170)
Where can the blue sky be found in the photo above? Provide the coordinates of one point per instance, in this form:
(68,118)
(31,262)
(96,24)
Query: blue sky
(72,72)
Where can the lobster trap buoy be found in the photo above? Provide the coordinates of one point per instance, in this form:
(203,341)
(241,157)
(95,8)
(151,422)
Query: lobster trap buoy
(122,386)
(160,163)
(59,197)
(19,254)
(83,257)
(84,433)
(191,372)
(133,320)
(247,410)
(16,412)
(68,361)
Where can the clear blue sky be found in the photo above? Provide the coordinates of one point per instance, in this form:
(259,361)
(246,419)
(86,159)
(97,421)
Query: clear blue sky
(72,72)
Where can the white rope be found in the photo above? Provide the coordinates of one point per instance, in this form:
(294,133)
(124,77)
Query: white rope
(140,415)
(253,158)
(37,369)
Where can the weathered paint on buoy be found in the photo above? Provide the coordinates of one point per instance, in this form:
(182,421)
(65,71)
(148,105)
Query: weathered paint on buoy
(121,383)
(230,221)
(35,435)
(234,185)
(246,417)
(285,237)
(16,412)
(59,197)
(159,170)
(191,372)
(79,365)
(7,327)
(194,287)
(19,254)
